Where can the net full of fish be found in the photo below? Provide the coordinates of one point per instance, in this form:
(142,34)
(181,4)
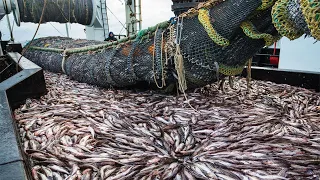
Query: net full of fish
(79,131)
(209,41)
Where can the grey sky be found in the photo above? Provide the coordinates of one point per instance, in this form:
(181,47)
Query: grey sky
(153,12)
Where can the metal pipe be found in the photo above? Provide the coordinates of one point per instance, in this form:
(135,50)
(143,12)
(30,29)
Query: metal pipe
(107,20)
(9,26)
(67,30)
(140,15)
(104,32)
(1,53)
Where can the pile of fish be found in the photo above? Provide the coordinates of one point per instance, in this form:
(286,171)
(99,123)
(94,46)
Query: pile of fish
(78,131)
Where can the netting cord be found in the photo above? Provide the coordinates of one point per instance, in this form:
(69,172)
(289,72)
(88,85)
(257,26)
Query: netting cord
(162,67)
(178,58)
(249,74)
(265,4)
(204,19)
(281,21)
(310,10)
(153,69)
(178,61)
(250,30)
(24,50)
(64,57)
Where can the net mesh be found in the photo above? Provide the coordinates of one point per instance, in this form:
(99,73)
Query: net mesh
(153,56)
(295,15)
(311,12)
(226,17)
(200,52)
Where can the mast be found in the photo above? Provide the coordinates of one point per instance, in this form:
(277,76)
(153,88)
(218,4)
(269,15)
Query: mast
(133,16)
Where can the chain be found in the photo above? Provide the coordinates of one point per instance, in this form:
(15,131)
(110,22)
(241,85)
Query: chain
(153,61)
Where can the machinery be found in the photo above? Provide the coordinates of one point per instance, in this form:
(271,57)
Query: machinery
(133,16)
(100,28)
(92,14)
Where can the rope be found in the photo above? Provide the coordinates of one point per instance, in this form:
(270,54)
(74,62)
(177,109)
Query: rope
(178,61)
(85,49)
(204,19)
(265,4)
(178,58)
(117,18)
(229,70)
(281,21)
(311,12)
(42,15)
(250,31)
(64,55)
(169,46)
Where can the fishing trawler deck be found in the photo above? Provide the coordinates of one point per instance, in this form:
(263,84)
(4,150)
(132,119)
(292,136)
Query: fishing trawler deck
(83,131)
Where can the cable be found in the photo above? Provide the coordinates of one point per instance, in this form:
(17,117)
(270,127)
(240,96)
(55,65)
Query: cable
(117,19)
(121,31)
(5,68)
(43,10)
(56,29)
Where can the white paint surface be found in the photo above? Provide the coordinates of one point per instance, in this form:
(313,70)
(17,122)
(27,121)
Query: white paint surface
(301,54)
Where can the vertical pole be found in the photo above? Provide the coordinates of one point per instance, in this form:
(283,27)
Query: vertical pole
(107,19)
(104,32)
(67,29)
(1,53)
(140,14)
(127,10)
(9,26)
(131,17)
(7,8)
